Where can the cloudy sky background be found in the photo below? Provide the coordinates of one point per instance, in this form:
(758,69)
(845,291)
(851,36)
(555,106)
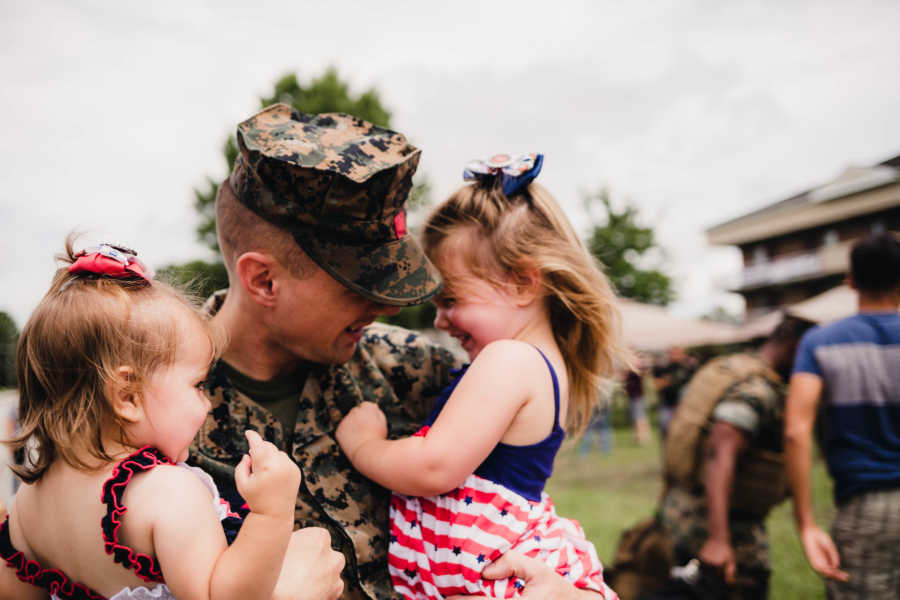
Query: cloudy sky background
(695,111)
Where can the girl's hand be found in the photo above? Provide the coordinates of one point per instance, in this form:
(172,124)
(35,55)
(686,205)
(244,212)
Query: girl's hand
(363,423)
(267,478)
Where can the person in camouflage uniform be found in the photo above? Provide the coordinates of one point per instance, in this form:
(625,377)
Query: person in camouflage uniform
(311,224)
(702,514)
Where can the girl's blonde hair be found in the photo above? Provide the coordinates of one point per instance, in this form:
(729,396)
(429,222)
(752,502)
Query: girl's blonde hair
(526,230)
(69,353)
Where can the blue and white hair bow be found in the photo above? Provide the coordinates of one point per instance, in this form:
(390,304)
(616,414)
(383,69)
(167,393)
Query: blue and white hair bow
(515,173)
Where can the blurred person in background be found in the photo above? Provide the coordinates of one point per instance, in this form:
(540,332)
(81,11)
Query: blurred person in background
(669,380)
(13,429)
(599,427)
(852,367)
(637,407)
(724,471)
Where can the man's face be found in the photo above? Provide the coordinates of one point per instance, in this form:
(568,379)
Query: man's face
(677,355)
(320,320)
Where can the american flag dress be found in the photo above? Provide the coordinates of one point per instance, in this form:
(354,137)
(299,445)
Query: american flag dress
(439,545)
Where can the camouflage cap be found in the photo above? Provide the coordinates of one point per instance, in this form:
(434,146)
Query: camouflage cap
(338,184)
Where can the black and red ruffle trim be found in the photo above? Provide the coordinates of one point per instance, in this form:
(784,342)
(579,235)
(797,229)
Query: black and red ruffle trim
(56,582)
(30,571)
(142,460)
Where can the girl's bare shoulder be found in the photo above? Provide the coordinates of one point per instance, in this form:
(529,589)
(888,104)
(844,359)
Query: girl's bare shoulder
(510,351)
(166,486)
(515,355)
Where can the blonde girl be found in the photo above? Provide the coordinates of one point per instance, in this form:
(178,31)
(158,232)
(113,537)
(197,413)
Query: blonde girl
(111,366)
(537,318)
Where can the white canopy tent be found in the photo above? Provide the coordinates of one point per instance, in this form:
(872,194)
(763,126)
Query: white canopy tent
(837,303)
(759,327)
(829,306)
(653,328)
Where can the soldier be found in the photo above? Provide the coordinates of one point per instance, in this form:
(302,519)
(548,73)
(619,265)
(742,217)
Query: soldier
(311,224)
(724,469)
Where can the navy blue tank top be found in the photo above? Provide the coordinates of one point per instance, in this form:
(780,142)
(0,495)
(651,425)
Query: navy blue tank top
(523,469)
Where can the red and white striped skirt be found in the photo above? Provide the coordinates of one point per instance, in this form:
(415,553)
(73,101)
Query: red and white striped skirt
(439,545)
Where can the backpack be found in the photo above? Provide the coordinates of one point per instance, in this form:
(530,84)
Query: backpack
(760,480)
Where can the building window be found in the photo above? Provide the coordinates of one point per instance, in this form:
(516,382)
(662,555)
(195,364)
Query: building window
(830,238)
(877,226)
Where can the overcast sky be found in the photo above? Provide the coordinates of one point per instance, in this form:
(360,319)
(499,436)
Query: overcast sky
(694,111)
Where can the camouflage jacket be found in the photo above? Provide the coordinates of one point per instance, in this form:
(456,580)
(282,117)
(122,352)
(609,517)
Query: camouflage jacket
(400,370)
(683,509)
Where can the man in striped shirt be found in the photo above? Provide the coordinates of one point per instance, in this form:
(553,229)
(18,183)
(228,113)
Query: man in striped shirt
(853,367)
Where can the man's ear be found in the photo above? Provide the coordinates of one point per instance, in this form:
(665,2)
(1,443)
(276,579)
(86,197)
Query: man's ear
(256,272)
(529,283)
(126,403)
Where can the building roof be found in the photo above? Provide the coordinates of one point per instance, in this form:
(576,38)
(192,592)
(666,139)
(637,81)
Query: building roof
(652,328)
(836,303)
(846,196)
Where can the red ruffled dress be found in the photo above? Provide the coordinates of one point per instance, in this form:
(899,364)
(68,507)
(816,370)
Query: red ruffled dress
(439,545)
(61,587)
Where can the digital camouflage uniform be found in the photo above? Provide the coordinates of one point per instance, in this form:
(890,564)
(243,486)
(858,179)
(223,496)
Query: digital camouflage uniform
(339,185)
(756,406)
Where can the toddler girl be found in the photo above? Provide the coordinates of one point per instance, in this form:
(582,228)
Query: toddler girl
(537,319)
(110,367)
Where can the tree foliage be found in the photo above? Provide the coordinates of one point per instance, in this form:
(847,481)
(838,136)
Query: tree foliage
(199,277)
(9,335)
(625,247)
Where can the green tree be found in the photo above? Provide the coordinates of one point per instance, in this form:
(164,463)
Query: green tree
(625,247)
(9,335)
(199,277)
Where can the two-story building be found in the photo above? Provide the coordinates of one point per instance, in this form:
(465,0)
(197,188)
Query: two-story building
(799,247)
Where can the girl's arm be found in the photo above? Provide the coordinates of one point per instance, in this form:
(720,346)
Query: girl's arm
(190,544)
(484,404)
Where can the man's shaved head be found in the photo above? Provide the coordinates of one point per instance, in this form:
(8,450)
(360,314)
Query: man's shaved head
(241,230)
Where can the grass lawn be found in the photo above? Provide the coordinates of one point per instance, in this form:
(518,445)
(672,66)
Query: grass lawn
(608,493)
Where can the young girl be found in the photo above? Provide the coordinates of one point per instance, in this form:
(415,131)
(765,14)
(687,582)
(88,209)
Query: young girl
(110,368)
(536,316)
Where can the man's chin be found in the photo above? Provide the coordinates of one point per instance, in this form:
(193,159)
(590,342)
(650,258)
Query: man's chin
(344,353)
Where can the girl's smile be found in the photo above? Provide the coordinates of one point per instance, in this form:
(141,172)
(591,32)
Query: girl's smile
(477,312)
